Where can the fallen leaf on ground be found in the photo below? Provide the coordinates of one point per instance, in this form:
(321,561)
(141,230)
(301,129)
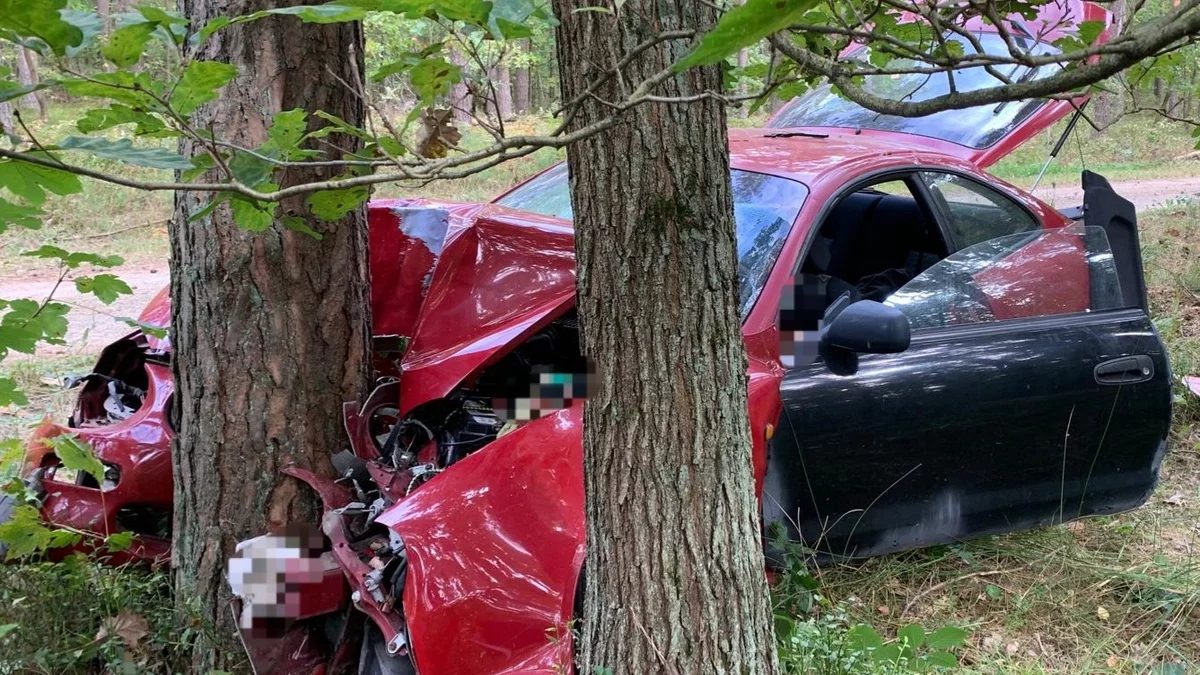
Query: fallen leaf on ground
(127,625)
(1174,500)
(1102,613)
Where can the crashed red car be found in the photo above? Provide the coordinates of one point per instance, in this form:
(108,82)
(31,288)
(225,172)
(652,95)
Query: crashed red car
(958,358)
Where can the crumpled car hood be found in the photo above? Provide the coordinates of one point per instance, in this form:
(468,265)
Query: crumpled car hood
(499,276)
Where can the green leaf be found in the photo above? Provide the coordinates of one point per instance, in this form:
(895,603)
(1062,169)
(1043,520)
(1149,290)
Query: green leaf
(913,635)
(119,541)
(994,592)
(743,26)
(77,455)
(125,45)
(941,660)
(433,77)
(10,394)
(200,83)
(338,125)
(131,89)
(330,13)
(472,11)
(106,287)
(100,119)
(298,224)
(149,329)
(40,19)
(286,133)
(889,653)
(12,90)
(32,181)
(1089,31)
(74,259)
(159,15)
(331,205)
(862,637)
(123,150)
(250,170)
(251,215)
(947,637)
(28,217)
(89,23)
(25,533)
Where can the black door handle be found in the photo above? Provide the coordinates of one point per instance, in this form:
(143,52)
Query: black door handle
(1126,370)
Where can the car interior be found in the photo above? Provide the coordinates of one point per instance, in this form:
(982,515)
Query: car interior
(870,244)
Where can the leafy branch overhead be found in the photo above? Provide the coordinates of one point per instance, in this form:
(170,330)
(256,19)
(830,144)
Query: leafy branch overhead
(1062,56)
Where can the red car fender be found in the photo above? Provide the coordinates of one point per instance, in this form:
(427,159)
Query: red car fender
(495,547)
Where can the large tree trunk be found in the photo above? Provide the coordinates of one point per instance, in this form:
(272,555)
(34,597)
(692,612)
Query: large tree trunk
(271,331)
(675,573)
(521,81)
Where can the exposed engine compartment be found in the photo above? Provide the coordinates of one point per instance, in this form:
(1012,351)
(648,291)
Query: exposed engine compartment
(116,387)
(415,449)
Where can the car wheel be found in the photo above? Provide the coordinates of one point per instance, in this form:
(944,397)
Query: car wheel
(8,504)
(374,658)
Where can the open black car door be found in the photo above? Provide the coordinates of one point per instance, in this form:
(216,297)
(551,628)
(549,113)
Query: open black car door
(1035,391)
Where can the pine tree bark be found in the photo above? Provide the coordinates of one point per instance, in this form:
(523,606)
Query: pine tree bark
(521,81)
(675,578)
(270,330)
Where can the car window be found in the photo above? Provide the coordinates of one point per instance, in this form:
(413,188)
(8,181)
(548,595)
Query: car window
(975,127)
(1059,271)
(764,208)
(974,212)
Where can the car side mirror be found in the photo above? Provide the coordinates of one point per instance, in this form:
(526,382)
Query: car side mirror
(867,327)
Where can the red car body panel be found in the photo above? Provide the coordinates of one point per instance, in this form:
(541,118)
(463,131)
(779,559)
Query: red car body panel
(499,279)
(495,543)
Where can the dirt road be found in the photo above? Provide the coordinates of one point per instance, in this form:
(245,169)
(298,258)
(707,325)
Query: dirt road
(97,322)
(1145,194)
(93,325)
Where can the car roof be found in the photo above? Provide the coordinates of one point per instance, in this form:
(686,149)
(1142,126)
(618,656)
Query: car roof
(811,156)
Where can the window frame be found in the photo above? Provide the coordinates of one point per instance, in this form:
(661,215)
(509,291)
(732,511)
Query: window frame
(945,218)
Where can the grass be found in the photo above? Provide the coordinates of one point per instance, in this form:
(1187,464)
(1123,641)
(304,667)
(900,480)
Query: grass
(1142,146)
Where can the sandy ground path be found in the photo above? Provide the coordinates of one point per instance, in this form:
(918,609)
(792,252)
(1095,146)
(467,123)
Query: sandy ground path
(96,322)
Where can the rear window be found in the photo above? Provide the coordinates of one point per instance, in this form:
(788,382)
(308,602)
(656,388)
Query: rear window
(764,208)
(977,127)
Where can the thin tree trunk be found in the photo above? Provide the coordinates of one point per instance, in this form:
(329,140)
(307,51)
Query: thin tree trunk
(6,120)
(521,81)
(270,330)
(675,577)
(461,101)
(504,98)
(104,9)
(743,60)
(27,76)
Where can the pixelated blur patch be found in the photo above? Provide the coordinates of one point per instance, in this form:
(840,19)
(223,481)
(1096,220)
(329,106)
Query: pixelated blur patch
(802,307)
(549,391)
(270,574)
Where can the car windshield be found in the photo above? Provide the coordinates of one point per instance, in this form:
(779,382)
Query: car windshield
(764,207)
(977,127)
